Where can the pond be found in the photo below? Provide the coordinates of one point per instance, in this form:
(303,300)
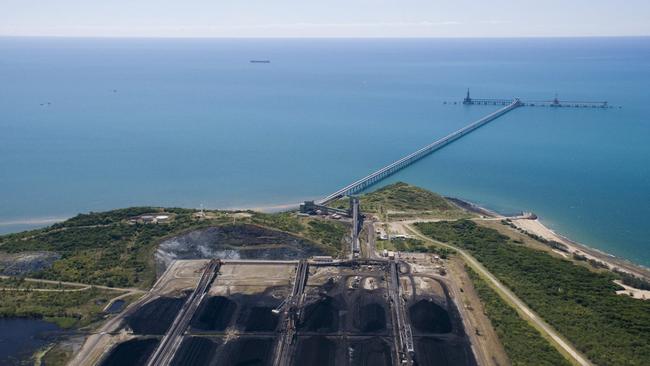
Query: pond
(21,337)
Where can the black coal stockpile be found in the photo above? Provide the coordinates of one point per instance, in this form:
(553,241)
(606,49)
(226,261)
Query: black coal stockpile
(196,351)
(368,310)
(431,351)
(316,351)
(429,317)
(156,316)
(374,351)
(322,316)
(260,319)
(131,353)
(247,352)
(215,313)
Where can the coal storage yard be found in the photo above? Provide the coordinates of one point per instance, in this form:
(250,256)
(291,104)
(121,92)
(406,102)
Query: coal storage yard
(344,318)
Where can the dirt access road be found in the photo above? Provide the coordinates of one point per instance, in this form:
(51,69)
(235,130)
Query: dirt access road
(557,340)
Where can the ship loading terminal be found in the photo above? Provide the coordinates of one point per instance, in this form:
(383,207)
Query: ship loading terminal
(309,308)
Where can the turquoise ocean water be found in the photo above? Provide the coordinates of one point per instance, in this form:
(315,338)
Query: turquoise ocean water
(94,124)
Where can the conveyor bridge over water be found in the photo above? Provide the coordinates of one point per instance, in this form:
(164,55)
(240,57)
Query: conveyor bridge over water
(402,163)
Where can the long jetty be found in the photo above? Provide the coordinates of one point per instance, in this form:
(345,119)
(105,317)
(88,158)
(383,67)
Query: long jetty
(402,163)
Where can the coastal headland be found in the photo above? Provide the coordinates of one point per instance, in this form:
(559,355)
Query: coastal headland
(470,286)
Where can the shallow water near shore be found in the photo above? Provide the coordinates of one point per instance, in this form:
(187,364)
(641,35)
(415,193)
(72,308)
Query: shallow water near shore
(21,337)
(91,124)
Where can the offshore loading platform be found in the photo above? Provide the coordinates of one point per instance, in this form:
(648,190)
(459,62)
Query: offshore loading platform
(553,103)
(508,105)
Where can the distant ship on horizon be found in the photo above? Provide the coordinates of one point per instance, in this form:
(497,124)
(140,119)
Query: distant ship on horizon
(260,61)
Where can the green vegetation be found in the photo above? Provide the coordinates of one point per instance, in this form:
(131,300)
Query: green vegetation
(581,304)
(285,221)
(524,345)
(325,233)
(58,355)
(404,200)
(67,309)
(328,233)
(101,248)
(633,281)
(105,249)
(21,283)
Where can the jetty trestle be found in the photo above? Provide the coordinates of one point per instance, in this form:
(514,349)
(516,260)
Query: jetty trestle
(402,163)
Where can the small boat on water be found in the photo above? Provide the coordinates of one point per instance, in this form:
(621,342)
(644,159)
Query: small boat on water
(260,61)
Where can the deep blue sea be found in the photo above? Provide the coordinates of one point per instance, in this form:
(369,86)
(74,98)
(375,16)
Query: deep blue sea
(95,124)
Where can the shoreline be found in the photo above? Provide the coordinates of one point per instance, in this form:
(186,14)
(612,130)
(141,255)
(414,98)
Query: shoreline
(536,226)
(532,225)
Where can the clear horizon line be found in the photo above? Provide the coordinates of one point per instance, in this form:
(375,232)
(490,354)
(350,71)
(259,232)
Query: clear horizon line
(320,37)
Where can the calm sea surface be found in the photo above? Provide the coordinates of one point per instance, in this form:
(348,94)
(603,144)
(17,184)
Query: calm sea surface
(99,124)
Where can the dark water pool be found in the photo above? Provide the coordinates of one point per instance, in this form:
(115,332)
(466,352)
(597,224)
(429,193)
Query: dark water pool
(116,306)
(21,337)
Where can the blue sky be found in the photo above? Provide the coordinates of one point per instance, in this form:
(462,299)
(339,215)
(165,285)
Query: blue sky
(325,18)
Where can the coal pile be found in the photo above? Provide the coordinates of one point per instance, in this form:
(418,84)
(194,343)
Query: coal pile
(131,353)
(369,310)
(247,351)
(429,317)
(372,318)
(317,351)
(439,335)
(196,351)
(322,316)
(215,313)
(156,316)
(431,351)
(373,351)
(260,319)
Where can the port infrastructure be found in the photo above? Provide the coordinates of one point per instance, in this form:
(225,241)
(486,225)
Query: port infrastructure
(284,349)
(508,105)
(357,225)
(172,339)
(555,102)
(403,336)
(408,160)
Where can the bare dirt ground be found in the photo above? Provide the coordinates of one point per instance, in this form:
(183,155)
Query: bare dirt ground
(634,292)
(251,279)
(484,338)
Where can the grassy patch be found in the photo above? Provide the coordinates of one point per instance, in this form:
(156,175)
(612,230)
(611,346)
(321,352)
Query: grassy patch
(402,200)
(579,303)
(58,355)
(524,345)
(104,249)
(21,283)
(66,309)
